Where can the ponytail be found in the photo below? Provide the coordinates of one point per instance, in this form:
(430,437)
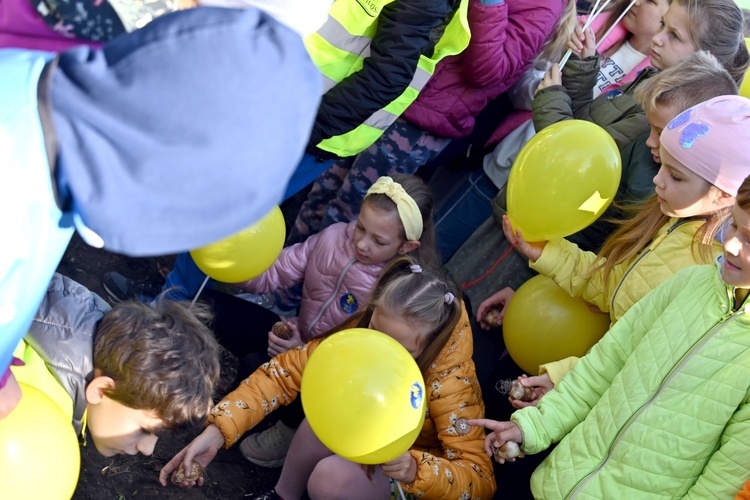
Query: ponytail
(421,296)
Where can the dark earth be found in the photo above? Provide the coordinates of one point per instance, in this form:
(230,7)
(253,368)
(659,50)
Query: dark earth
(229,476)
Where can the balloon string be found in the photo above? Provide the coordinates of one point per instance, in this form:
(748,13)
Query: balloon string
(401,490)
(198,293)
(471,283)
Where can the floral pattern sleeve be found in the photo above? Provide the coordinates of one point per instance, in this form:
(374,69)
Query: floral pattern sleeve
(451,462)
(274,384)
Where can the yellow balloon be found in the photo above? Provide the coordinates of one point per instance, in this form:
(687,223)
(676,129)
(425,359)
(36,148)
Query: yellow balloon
(562,180)
(363,395)
(244,255)
(543,323)
(745,87)
(39,455)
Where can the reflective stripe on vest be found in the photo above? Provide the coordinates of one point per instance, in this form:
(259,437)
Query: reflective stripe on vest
(340,47)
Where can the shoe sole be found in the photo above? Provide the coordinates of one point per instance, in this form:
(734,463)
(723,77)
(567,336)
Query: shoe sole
(112,296)
(270,464)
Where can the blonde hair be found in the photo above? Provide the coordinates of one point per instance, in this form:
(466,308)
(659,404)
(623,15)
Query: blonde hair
(423,197)
(557,43)
(717,26)
(420,298)
(696,79)
(638,230)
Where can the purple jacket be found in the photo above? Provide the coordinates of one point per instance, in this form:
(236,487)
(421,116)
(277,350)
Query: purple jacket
(505,39)
(334,283)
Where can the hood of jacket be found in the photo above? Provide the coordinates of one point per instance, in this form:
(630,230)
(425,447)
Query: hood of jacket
(183,132)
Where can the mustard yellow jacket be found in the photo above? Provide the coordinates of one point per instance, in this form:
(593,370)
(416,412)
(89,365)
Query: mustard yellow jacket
(449,465)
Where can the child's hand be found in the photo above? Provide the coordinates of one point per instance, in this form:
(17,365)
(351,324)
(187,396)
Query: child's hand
(551,77)
(500,301)
(402,469)
(277,345)
(502,432)
(541,384)
(202,450)
(532,251)
(583,42)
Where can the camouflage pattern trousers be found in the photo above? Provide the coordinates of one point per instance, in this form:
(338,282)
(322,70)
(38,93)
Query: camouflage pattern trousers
(337,194)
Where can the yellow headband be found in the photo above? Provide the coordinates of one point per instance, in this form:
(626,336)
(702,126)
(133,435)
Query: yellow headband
(408,211)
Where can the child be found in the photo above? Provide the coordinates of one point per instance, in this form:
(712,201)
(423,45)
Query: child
(696,79)
(127,374)
(469,205)
(676,228)
(421,310)
(624,53)
(505,38)
(659,406)
(337,268)
(687,26)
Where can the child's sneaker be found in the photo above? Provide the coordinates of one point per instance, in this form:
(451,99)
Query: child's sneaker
(268,448)
(266,495)
(119,288)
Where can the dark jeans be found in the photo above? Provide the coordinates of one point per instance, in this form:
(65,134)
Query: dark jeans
(463,212)
(242,327)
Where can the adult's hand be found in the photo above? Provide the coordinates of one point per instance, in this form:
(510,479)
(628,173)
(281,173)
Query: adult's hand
(10,391)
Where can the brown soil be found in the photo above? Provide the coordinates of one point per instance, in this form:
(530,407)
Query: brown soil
(228,476)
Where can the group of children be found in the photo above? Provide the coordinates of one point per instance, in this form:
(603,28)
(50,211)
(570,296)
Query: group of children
(658,407)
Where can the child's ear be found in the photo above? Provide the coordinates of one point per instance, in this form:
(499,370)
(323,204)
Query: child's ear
(724,199)
(95,391)
(409,246)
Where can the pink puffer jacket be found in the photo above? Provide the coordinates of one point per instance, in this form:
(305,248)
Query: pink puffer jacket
(334,283)
(505,39)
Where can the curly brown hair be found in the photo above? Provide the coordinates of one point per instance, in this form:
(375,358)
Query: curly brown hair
(162,356)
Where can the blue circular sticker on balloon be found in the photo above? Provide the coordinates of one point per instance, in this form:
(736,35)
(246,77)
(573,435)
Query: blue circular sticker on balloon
(348,303)
(417,395)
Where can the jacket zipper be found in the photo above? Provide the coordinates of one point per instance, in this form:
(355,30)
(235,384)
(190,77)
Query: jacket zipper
(332,297)
(729,315)
(643,254)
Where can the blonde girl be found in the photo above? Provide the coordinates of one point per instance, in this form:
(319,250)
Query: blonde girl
(687,26)
(659,407)
(422,310)
(678,227)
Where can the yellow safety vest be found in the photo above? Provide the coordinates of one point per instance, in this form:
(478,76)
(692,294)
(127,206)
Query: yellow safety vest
(340,47)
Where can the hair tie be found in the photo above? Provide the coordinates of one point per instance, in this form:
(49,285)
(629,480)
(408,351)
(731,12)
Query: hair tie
(415,268)
(408,210)
(449,298)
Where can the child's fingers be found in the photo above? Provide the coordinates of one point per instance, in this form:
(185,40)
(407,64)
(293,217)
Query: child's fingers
(488,440)
(578,32)
(170,467)
(508,230)
(487,423)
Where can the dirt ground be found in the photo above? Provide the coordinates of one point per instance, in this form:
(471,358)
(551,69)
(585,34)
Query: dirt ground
(229,476)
